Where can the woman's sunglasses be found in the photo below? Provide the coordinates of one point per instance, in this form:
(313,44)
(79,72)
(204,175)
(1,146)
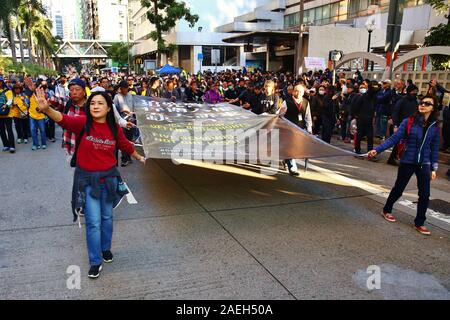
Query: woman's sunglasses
(427,104)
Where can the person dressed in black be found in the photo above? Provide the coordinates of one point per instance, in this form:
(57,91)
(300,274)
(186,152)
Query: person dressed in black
(363,110)
(344,111)
(316,102)
(193,94)
(404,108)
(327,113)
(446,131)
(247,96)
(256,101)
(231,94)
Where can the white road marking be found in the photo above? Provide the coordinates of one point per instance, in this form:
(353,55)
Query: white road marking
(374,189)
(130,197)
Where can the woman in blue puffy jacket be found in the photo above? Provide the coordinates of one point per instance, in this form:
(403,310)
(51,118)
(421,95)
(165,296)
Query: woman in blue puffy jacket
(420,158)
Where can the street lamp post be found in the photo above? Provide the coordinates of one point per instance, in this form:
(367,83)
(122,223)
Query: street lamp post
(370,26)
(299,62)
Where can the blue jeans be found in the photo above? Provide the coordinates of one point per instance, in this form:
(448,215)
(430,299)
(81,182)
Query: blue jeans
(381,125)
(99,225)
(405,172)
(34,125)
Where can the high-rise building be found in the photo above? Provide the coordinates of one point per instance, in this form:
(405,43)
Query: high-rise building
(59,25)
(105,19)
(65,16)
(90,19)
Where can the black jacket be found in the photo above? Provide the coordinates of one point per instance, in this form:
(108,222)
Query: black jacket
(364,108)
(293,112)
(328,110)
(404,108)
(346,106)
(192,96)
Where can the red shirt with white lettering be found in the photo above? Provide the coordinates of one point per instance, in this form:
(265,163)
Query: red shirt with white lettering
(96,151)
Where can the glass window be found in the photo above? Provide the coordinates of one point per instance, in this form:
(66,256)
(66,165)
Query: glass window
(343,10)
(334,9)
(311,15)
(318,14)
(363,5)
(343,7)
(353,8)
(326,14)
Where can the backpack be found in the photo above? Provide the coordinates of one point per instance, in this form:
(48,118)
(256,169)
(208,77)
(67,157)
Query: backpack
(401,147)
(4,109)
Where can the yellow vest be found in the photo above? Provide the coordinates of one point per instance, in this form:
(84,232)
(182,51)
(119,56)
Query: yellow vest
(33,112)
(19,101)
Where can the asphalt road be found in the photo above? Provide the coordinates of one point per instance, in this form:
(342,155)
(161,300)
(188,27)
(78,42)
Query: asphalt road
(203,231)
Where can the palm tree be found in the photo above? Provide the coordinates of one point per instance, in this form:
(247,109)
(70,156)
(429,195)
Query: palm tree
(42,36)
(8,9)
(30,13)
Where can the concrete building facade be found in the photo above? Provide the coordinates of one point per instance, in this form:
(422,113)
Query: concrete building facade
(328,25)
(105,20)
(189,44)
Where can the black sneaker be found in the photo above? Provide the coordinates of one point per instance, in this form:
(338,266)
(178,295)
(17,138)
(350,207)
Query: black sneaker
(124,163)
(107,256)
(94,272)
(294,173)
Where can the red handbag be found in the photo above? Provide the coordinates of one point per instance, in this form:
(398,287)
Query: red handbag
(401,147)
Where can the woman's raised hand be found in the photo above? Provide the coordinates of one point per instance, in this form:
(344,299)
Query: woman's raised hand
(29,83)
(42,100)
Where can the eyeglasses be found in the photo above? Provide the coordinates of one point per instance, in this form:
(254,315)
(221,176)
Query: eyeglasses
(427,104)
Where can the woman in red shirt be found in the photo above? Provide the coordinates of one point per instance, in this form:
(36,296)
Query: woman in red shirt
(95,190)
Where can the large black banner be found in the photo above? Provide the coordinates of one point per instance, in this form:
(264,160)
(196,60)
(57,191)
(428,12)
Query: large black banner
(223,133)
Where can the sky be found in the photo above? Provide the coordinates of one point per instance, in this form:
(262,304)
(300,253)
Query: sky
(213,13)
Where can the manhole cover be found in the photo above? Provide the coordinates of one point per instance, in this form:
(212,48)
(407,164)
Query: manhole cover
(440,206)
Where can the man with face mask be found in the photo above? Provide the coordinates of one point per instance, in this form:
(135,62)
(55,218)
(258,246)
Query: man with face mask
(363,110)
(231,94)
(344,111)
(61,90)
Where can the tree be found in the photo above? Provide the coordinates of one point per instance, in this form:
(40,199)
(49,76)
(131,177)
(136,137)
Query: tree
(42,36)
(31,12)
(441,6)
(438,35)
(119,52)
(164,14)
(8,8)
